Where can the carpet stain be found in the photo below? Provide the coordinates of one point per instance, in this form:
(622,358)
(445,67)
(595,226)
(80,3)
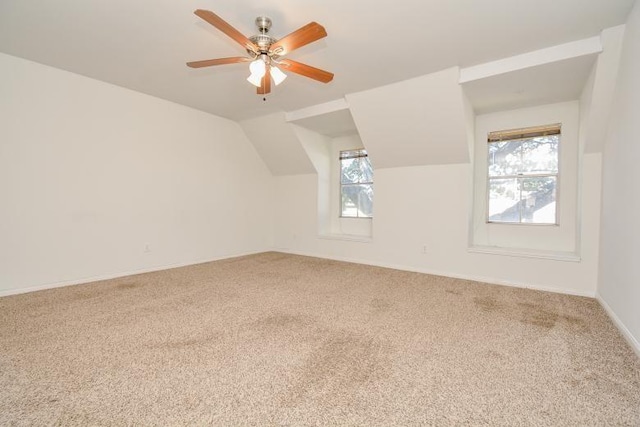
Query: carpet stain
(487,304)
(450,291)
(535,314)
(379,305)
(344,362)
(575,324)
(127,285)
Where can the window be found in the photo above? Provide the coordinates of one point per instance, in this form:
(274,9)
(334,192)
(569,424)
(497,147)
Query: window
(523,175)
(356,184)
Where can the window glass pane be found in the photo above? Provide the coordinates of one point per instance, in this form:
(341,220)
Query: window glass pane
(504,158)
(367,170)
(349,171)
(540,155)
(357,201)
(365,208)
(504,200)
(349,201)
(355,170)
(538,197)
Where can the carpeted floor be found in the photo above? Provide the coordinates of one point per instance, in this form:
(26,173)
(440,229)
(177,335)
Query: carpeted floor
(276,339)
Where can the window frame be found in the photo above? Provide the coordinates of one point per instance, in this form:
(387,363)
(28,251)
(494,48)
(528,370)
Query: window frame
(341,185)
(522,134)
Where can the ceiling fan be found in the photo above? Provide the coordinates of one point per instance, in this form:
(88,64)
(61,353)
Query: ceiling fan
(266,52)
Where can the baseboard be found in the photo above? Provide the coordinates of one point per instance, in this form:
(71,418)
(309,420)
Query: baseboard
(633,342)
(490,280)
(119,274)
(336,258)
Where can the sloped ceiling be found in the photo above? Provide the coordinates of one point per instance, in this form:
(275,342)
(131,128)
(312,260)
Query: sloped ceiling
(420,121)
(277,143)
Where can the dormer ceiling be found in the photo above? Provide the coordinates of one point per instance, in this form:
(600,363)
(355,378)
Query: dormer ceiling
(143,45)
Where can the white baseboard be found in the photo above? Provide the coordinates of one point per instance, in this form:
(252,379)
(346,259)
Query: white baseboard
(626,333)
(490,280)
(90,279)
(285,250)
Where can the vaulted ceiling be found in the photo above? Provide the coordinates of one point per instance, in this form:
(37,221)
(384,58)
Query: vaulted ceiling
(144,44)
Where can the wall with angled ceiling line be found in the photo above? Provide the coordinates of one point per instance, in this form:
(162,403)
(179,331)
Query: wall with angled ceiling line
(420,137)
(100,181)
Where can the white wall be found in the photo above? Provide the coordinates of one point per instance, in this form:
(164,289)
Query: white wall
(90,174)
(619,278)
(429,206)
(317,147)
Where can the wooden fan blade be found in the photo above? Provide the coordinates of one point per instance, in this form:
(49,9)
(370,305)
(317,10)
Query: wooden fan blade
(266,83)
(301,37)
(223,26)
(219,61)
(306,70)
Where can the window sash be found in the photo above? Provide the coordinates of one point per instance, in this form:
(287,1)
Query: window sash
(520,181)
(359,205)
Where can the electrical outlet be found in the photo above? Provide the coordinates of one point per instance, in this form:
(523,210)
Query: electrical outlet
(425,249)
(147,248)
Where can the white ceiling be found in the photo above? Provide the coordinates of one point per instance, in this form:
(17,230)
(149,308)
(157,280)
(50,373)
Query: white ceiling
(144,44)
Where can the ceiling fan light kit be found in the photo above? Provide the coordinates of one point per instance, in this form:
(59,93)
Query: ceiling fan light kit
(265,52)
(277,75)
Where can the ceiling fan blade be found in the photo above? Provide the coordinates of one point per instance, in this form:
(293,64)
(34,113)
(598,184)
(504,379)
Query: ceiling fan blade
(266,83)
(219,61)
(306,70)
(301,37)
(223,26)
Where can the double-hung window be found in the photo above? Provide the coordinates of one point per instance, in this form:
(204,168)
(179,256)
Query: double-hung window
(523,175)
(356,184)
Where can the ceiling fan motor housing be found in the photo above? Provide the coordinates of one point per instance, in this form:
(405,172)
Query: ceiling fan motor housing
(263,40)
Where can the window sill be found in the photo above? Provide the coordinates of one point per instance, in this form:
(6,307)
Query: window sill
(526,253)
(346,237)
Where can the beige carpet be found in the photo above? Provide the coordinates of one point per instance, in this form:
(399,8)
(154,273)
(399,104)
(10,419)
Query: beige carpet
(276,339)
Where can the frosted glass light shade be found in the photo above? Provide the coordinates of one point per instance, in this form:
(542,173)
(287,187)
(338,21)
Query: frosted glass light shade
(255,80)
(278,75)
(257,67)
